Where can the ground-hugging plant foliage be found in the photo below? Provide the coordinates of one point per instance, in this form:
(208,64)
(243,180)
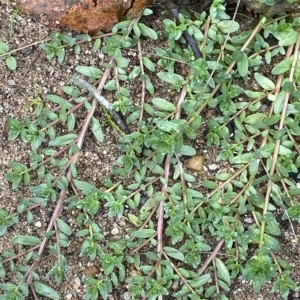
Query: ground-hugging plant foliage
(167,213)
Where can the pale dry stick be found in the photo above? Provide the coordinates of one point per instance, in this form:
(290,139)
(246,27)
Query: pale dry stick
(141,189)
(183,186)
(292,227)
(159,56)
(206,28)
(47,40)
(116,76)
(277,144)
(143,80)
(24,47)
(150,216)
(222,186)
(20,254)
(165,185)
(242,191)
(263,51)
(211,257)
(245,107)
(295,144)
(178,272)
(160,220)
(276,262)
(143,244)
(216,275)
(181,99)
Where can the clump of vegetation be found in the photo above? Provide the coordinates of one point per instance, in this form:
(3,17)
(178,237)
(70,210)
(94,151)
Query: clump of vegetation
(188,239)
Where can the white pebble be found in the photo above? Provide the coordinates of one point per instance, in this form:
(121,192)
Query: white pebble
(77,281)
(115,231)
(213,167)
(11,82)
(38,224)
(69,296)
(248,220)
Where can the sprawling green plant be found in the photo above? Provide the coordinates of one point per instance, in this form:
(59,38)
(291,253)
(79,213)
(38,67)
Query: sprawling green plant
(187,238)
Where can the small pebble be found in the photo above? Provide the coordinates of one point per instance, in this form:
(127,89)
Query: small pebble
(11,82)
(77,281)
(38,224)
(27,50)
(115,231)
(69,296)
(248,220)
(213,167)
(126,295)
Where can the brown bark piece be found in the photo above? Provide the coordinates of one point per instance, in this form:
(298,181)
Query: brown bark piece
(88,16)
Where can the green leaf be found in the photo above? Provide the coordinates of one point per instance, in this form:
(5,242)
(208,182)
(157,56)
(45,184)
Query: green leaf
(243,65)
(172,252)
(146,31)
(97,130)
(122,62)
(209,184)
(188,150)
(59,100)
(63,140)
(71,122)
(63,226)
(134,220)
(4,48)
(255,118)
(253,169)
(2,271)
(103,290)
(134,73)
(26,240)
(242,159)
(92,72)
(254,95)
(143,233)
(164,104)
(60,55)
(45,290)
(149,86)
(282,67)
(148,64)
(136,30)
(228,26)
(84,186)
(223,272)
(11,63)
(264,82)
(147,12)
(271,242)
(171,78)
